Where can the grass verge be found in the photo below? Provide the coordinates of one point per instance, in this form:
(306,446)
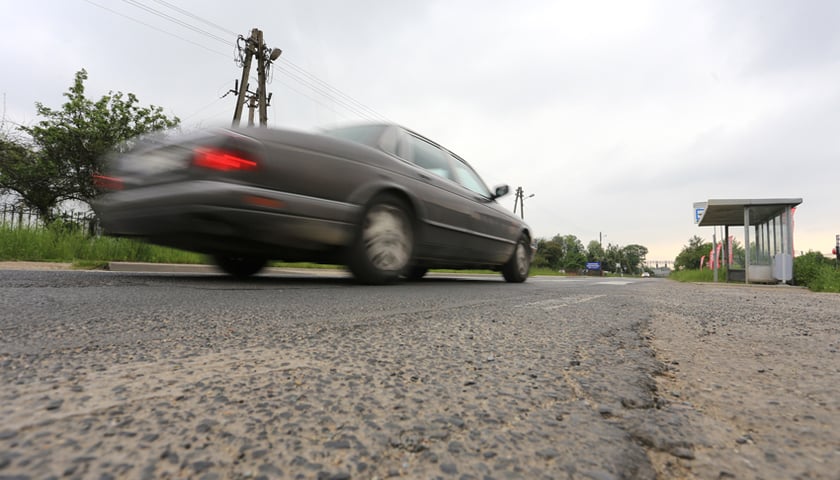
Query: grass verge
(696,276)
(62,243)
(820,277)
(59,243)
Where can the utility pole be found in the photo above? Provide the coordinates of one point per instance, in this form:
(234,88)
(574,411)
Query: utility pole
(254,46)
(516,199)
(520,200)
(252,105)
(261,66)
(243,84)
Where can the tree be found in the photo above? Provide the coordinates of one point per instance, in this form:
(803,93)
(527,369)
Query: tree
(594,251)
(566,252)
(574,254)
(615,260)
(634,256)
(563,252)
(690,255)
(23,172)
(68,146)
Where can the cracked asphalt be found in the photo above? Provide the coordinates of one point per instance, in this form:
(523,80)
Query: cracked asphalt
(151,375)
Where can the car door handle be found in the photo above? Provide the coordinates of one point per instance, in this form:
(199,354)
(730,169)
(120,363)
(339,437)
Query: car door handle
(425,177)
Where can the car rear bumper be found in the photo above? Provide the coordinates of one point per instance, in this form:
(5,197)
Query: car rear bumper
(213,216)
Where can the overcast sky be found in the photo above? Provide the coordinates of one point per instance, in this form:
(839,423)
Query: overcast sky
(616,115)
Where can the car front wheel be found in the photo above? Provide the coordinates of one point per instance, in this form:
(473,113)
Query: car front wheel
(240,267)
(516,269)
(384,242)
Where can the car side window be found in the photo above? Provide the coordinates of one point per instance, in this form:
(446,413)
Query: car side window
(430,157)
(467,177)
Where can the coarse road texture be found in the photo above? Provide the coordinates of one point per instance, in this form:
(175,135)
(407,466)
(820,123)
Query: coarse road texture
(139,375)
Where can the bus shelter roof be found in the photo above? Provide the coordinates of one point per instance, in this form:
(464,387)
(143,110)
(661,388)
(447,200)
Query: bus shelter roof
(730,212)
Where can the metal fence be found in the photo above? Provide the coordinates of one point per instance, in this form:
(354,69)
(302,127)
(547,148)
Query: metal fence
(16,216)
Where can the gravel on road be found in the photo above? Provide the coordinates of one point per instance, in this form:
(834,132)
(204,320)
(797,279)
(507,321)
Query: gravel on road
(112,375)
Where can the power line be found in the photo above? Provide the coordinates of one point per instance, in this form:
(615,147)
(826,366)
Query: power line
(293,71)
(323,92)
(172,19)
(330,88)
(329,107)
(192,15)
(155,28)
(319,86)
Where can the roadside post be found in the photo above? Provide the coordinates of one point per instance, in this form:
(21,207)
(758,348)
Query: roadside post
(836,251)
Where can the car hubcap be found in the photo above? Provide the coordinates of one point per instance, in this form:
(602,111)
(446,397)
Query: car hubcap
(521,259)
(387,238)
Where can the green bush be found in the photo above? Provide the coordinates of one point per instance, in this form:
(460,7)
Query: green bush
(807,267)
(817,272)
(827,280)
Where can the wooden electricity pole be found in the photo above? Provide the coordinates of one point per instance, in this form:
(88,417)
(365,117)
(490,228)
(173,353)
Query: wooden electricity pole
(520,201)
(261,66)
(254,46)
(241,95)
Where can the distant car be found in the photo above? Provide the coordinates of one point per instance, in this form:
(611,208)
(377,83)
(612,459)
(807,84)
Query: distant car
(645,274)
(378,198)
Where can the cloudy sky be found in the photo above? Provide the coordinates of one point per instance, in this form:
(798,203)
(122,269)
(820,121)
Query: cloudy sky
(615,115)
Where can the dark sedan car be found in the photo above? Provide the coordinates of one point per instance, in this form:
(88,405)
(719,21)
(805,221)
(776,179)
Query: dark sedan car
(380,199)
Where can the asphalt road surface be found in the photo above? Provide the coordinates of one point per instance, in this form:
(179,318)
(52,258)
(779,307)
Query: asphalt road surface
(173,375)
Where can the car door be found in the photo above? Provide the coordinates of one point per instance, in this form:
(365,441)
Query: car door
(449,213)
(494,230)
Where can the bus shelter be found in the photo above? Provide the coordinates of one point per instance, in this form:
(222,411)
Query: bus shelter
(768,236)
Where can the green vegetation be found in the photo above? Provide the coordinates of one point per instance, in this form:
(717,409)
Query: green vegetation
(690,255)
(695,276)
(817,272)
(55,160)
(567,253)
(812,270)
(67,243)
(61,242)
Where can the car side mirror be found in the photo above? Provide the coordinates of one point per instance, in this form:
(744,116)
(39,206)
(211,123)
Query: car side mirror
(501,191)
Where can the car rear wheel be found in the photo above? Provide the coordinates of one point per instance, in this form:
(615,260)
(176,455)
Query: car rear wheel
(240,267)
(384,242)
(516,269)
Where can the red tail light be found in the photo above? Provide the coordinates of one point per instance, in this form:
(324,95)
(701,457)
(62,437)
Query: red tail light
(104,182)
(221,160)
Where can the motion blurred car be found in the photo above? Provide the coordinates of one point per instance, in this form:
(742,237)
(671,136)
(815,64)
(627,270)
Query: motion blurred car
(378,198)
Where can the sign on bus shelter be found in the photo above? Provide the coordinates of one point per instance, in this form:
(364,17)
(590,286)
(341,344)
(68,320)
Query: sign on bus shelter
(699,208)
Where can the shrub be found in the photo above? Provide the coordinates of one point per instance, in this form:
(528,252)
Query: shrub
(827,280)
(807,267)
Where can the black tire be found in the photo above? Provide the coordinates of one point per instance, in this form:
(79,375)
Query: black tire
(240,267)
(516,269)
(415,273)
(384,242)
